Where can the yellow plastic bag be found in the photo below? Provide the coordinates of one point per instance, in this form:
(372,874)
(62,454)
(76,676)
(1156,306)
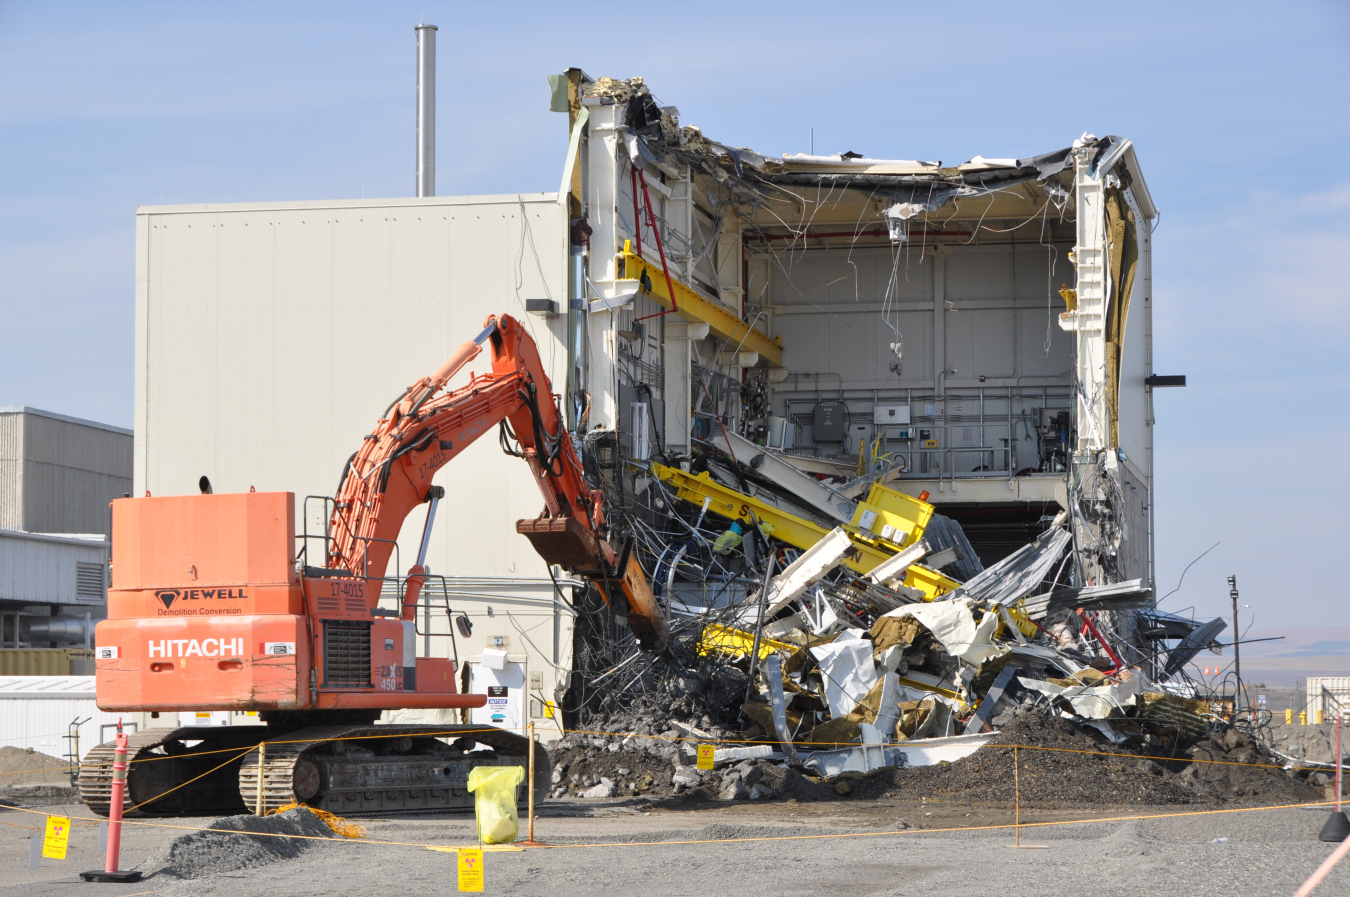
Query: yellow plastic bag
(494,789)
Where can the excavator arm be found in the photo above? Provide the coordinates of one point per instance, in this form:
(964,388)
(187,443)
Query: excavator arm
(425,429)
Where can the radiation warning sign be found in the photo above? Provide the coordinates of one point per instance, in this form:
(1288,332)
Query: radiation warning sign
(470,869)
(57,838)
(705,756)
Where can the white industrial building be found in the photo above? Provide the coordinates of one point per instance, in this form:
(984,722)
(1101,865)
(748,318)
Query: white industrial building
(982,329)
(58,715)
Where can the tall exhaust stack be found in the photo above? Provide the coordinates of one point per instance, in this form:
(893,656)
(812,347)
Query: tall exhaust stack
(426,110)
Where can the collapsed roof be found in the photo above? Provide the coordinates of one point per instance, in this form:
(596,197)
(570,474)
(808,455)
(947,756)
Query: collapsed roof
(652,133)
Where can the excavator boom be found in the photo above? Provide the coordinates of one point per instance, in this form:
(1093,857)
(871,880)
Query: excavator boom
(210,609)
(423,431)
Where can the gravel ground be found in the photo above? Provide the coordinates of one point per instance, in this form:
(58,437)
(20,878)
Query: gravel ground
(1266,852)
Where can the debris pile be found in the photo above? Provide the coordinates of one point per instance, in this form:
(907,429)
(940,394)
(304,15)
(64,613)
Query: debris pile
(825,629)
(1082,768)
(249,841)
(30,778)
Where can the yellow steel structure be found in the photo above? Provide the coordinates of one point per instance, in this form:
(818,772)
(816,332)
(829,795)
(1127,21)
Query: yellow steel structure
(789,528)
(890,507)
(694,307)
(929,581)
(734,643)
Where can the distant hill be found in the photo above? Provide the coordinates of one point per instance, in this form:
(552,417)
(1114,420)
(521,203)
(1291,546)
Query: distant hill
(1301,652)
(1297,641)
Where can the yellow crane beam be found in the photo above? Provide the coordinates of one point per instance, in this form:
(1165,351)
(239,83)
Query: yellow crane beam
(694,307)
(794,530)
(735,505)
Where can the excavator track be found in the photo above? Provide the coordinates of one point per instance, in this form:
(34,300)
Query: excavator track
(351,770)
(162,766)
(367,770)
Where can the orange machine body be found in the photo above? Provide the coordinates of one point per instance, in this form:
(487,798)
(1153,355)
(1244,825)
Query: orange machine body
(207,611)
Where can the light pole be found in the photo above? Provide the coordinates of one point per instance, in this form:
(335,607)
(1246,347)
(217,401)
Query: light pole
(1237,637)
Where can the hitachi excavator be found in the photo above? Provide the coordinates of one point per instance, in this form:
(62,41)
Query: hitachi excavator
(212,608)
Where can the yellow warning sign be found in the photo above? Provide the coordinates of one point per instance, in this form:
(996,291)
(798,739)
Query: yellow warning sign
(470,869)
(57,838)
(705,756)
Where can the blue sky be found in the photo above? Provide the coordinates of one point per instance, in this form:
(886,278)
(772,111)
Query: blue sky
(1240,113)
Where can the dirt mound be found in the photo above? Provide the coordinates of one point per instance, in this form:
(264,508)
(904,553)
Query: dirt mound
(1129,841)
(1106,775)
(1248,784)
(248,841)
(19,765)
(1078,767)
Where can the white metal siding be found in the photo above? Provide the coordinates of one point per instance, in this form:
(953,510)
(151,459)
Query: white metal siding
(270,338)
(1136,359)
(43,570)
(71,472)
(37,712)
(58,474)
(275,337)
(1324,693)
(11,471)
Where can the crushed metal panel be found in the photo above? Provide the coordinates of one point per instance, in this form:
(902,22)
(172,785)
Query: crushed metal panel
(767,464)
(849,672)
(869,756)
(1020,572)
(932,751)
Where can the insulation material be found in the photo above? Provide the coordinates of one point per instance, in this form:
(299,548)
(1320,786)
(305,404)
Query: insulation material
(846,663)
(1123,254)
(953,625)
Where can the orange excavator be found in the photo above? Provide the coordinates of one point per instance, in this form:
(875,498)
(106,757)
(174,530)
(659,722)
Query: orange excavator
(212,608)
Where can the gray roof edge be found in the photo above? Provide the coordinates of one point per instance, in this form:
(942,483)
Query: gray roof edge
(80,539)
(28,409)
(316,205)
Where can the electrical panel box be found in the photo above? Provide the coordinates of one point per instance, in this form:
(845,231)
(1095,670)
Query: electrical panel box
(883,415)
(829,421)
(894,516)
(859,435)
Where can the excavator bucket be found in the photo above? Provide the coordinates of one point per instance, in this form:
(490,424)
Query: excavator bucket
(564,541)
(645,617)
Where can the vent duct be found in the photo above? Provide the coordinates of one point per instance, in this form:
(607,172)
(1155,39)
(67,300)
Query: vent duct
(426,110)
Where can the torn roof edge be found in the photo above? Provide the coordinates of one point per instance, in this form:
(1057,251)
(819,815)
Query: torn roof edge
(977,176)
